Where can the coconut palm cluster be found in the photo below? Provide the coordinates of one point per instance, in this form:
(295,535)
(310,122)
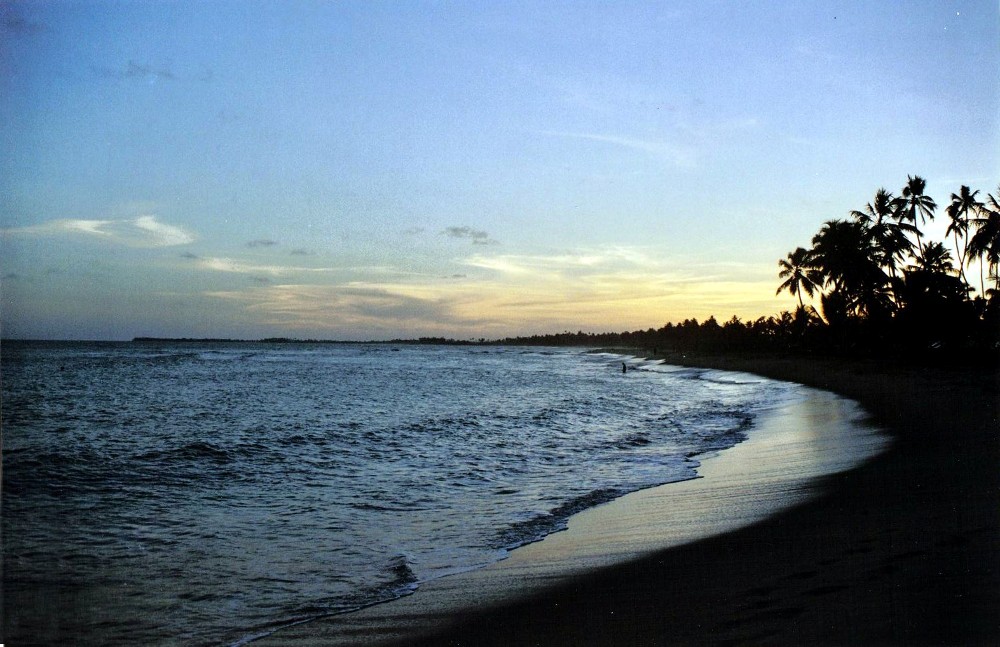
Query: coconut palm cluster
(880,280)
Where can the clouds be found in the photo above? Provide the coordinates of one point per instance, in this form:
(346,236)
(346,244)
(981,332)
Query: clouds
(158,234)
(600,288)
(349,311)
(578,262)
(678,155)
(476,236)
(463,285)
(144,231)
(142,71)
(686,140)
(613,287)
(235,266)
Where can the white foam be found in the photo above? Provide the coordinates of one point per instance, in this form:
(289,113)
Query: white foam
(804,437)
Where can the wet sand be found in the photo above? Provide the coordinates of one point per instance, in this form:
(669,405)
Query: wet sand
(900,550)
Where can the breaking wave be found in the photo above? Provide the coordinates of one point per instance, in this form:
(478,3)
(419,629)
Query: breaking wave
(255,487)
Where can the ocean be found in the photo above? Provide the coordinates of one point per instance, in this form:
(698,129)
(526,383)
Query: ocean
(210,493)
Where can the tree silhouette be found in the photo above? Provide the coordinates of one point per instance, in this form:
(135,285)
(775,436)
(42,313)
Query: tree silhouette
(887,235)
(985,243)
(799,274)
(850,263)
(963,204)
(913,204)
(936,258)
(878,287)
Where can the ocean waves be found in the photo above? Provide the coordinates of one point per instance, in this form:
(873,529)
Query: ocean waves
(254,486)
(538,526)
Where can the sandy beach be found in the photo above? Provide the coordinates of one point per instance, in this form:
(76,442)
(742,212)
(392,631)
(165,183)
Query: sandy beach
(901,550)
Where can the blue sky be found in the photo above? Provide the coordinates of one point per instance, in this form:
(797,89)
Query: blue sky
(369,170)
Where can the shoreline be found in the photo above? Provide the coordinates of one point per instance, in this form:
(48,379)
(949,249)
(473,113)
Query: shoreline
(858,565)
(902,550)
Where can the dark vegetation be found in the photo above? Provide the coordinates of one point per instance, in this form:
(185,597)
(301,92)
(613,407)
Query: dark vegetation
(884,290)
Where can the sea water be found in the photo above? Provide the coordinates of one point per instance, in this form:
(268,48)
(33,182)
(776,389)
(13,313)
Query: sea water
(199,493)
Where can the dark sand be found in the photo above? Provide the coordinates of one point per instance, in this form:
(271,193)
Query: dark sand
(904,549)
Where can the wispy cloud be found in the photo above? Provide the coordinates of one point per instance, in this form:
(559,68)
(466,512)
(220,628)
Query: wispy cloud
(348,307)
(477,236)
(94,227)
(235,266)
(144,231)
(575,262)
(679,155)
(160,234)
(606,288)
(133,70)
(262,242)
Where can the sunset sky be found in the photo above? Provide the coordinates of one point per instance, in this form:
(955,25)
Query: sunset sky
(370,170)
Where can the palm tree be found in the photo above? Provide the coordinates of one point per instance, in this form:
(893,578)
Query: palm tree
(936,259)
(985,243)
(799,274)
(934,300)
(888,236)
(913,204)
(877,210)
(962,205)
(846,257)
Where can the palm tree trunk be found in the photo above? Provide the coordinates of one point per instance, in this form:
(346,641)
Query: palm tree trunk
(961,260)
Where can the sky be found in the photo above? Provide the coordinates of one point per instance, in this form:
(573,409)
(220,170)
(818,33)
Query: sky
(375,170)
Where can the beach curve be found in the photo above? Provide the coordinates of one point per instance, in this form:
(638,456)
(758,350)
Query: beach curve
(904,549)
(782,464)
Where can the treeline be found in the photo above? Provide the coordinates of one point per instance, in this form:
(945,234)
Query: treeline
(883,285)
(788,331)
(883,289)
